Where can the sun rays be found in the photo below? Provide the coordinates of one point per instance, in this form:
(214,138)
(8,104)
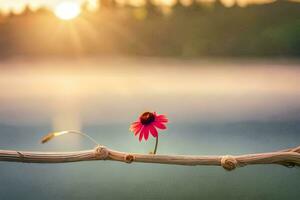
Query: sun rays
(67,10)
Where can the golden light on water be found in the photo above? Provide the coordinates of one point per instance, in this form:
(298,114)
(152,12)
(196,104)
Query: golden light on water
(67,10)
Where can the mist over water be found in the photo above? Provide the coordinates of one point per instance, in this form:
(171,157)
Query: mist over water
(228,107)
(103,91)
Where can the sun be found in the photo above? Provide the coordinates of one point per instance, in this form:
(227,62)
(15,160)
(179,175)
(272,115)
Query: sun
(67,10)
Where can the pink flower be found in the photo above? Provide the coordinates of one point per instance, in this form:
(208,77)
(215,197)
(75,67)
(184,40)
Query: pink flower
(148,122)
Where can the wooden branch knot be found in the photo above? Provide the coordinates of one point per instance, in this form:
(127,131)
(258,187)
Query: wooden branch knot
(21,156)
(101,153)
(229,162)
(297,149)
(129,158)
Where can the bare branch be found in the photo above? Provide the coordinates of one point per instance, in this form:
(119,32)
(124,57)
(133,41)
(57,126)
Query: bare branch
(288,157)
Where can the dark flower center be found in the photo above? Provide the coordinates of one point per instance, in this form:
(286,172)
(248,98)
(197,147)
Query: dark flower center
(147,118)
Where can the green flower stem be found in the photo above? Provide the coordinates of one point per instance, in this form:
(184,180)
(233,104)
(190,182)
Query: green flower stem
(156,144)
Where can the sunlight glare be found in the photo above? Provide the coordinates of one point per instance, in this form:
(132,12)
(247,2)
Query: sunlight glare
(67,10)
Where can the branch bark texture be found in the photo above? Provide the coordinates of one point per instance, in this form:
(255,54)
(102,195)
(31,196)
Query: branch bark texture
(288,157)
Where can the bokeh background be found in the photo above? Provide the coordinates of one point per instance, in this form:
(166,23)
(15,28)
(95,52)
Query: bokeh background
(160,28)
(226,73)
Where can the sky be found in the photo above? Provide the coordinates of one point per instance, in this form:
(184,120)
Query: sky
(17,6)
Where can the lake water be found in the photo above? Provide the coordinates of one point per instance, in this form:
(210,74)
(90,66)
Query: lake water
(215,107)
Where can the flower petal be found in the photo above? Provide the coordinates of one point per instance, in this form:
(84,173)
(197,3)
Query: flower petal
(159,125)
(161,118)
(141,134)
(137,129)
(133,125)
(146,132)
(153,131)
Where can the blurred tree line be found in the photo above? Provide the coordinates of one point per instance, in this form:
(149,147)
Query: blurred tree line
(181,31)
